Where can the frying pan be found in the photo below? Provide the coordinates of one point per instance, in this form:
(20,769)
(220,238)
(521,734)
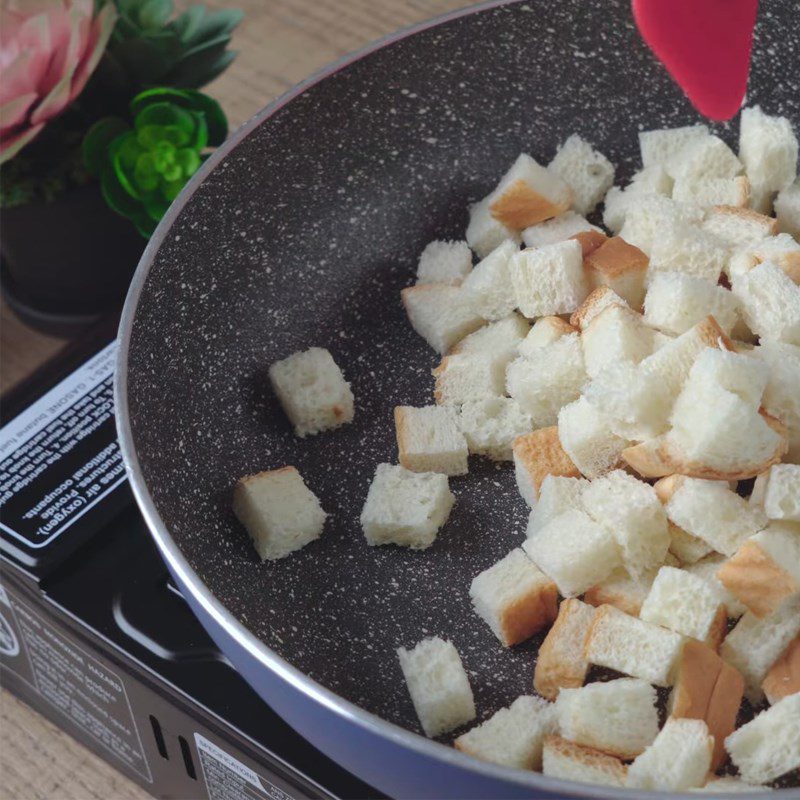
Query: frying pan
(301,230)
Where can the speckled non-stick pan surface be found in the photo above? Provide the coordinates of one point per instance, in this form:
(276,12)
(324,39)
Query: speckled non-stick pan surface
(304,235)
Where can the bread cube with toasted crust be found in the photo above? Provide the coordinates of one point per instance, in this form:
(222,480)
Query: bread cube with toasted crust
(537,455)
(557,229)
(587,172)
(621,266)
(564,759)
(485,233)
(597,301)
(429,440)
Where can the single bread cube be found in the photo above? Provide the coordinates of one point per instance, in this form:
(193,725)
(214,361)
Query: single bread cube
(560,663)
(430,440)
(514,598)
(620,590)
(513,736)
(549,279)
(781,398)
(764,571)
(438,685)
(574,551)
(312,390)
(619,641)
(707,567)
(537,455)
(484,232)
(677,760)
(736,227)
(787,209)
(492,425)
(618,717)
(713,191)
(769,745)
(556,495)
(444,262)
(574,762)
(685,604)
(707,158)
(597,301)
(770,302)
(783,678)
(488,287)
(755,644)
(587,438)
(558,229)
(468,376)
(651,215)
(708,689)
(500,340)
(544,331)
(663,147)
(616,334)
(440,314)
(405,508)
(782,250)
(733,372)
(545,384)
(768,149)
(528,193)
(631,511)
(621,266)
(587,172)
(676,302)
(688,250)
(279,511)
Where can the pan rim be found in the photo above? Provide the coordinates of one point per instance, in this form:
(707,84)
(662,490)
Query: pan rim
(180,566)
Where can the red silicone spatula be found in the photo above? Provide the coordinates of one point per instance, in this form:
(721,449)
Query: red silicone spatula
(705,45)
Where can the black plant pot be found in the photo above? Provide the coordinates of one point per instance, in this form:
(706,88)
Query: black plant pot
(67,262)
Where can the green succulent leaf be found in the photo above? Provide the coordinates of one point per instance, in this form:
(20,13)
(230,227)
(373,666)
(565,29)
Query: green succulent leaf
(215,24)
(214,116)
(97,139)
(154,14)
(189,23)
(207,72)
(115,195)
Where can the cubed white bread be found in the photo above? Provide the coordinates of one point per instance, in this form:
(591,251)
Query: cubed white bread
(765,570)
(560,663)
(544,331)
(468,376)
(731,372)
(587,172)
(440,314)
(444,262)
(488,287)
(705,159)
(620,590)
(631,511)
(587,438)
(738,227)
(544,384)
(630,645)
(429,439)
(484,232)
(686,548)
(590,241)
(528,193)
(712,191)
(514,598)
(689,250)
(513,736)
(769,745)
(573,550)
(618,717)
(537,455)
(651,214)
(549,279)
(768,149)
(782,250)
(558,229)
(312,391)
(438,685)
(756,643)
(597,301)
(707,568)
(500,340)
(729,785)
(782,492)
(621,266)
(783,678)
(677,760)
(616,334)
(770,302)
(686,604)
(405,508)
(787,209)
(676,301)
(648,181)
(662,147)
(781,398)
(574,762)
(711,511)
(491,425)
(279,511)
(556,495)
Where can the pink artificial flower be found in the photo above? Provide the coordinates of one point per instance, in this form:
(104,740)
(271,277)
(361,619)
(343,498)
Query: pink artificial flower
(48,50)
